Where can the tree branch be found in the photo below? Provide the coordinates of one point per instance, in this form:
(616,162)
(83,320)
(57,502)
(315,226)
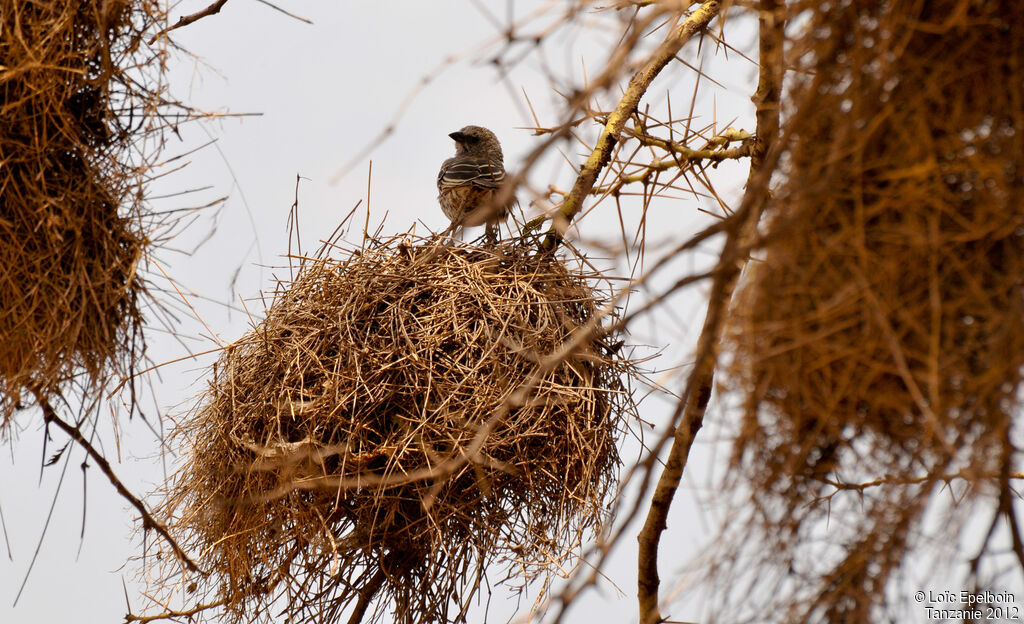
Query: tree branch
(166,615)
(969,476)
(638,85)
(680,156)
(701,380)
(148,521)
(708,152)
(366,595)
(185,20)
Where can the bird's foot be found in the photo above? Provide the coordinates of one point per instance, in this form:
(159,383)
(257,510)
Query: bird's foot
(491,236)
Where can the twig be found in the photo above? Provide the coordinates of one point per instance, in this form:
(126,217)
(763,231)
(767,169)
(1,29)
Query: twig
(680,158)
(917,480)
(185,20)
(148,521)
(727,136)
(291,15)
(701,380)
(691,407)
(366,595)
(1005,500)
(638,85)
(175,614)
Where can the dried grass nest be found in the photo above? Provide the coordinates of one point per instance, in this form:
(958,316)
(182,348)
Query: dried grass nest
(80,90)
(403,417)
(879,346)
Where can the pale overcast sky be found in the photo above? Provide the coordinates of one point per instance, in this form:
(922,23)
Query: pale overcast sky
(324,92)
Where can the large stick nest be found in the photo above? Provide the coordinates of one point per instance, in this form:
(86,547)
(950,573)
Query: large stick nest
(78,91)
(401,418)
(882,337)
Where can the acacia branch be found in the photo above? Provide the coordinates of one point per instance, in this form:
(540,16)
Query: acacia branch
(366,595)
(148,521)
(166,615)
(680,157)
(727,136)
(638,84)
(964,475)
(699,384)
(185,20)
(1005,499)
(686,159)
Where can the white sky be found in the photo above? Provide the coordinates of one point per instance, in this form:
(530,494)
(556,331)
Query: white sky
(325,91)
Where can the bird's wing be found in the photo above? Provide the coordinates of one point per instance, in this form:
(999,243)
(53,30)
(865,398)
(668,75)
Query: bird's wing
(462,170)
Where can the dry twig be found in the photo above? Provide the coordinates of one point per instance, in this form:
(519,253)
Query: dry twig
(185,20)
(699,385)
(638,85)
(148,521)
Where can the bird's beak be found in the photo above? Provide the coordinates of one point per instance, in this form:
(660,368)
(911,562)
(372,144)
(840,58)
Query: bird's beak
(458,136)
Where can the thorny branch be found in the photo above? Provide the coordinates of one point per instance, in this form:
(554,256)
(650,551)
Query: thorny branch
(701,380)
(148,521)
(185,20)
(366,595)
(186,613)
(679,157)
(968,476)
(638,85)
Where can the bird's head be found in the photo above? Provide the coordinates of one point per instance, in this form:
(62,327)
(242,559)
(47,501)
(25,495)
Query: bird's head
(476,140)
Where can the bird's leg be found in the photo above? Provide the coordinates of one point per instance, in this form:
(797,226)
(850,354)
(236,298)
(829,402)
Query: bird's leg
(450,233)
(491,233)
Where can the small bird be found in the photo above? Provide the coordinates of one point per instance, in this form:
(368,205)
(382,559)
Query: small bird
(468,182)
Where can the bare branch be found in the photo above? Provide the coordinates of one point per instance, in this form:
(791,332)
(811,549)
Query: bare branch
(185,20)
(701,380)
(291,15)
(366,595)
(970,477)
(680,157)
(638,85)
(166,615)
(148,521)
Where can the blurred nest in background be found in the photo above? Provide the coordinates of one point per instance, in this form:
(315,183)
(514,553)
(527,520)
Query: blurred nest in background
(881,339)
(402,418)
(79,89)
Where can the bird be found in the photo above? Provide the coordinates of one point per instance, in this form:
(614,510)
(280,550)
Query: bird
(468,183)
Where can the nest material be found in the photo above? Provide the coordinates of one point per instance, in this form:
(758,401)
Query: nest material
(75,109)
(882,337)
(402,418)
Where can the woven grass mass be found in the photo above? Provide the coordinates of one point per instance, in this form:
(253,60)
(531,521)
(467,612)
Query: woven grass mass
(76,110)
(402,418)
(882,337)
